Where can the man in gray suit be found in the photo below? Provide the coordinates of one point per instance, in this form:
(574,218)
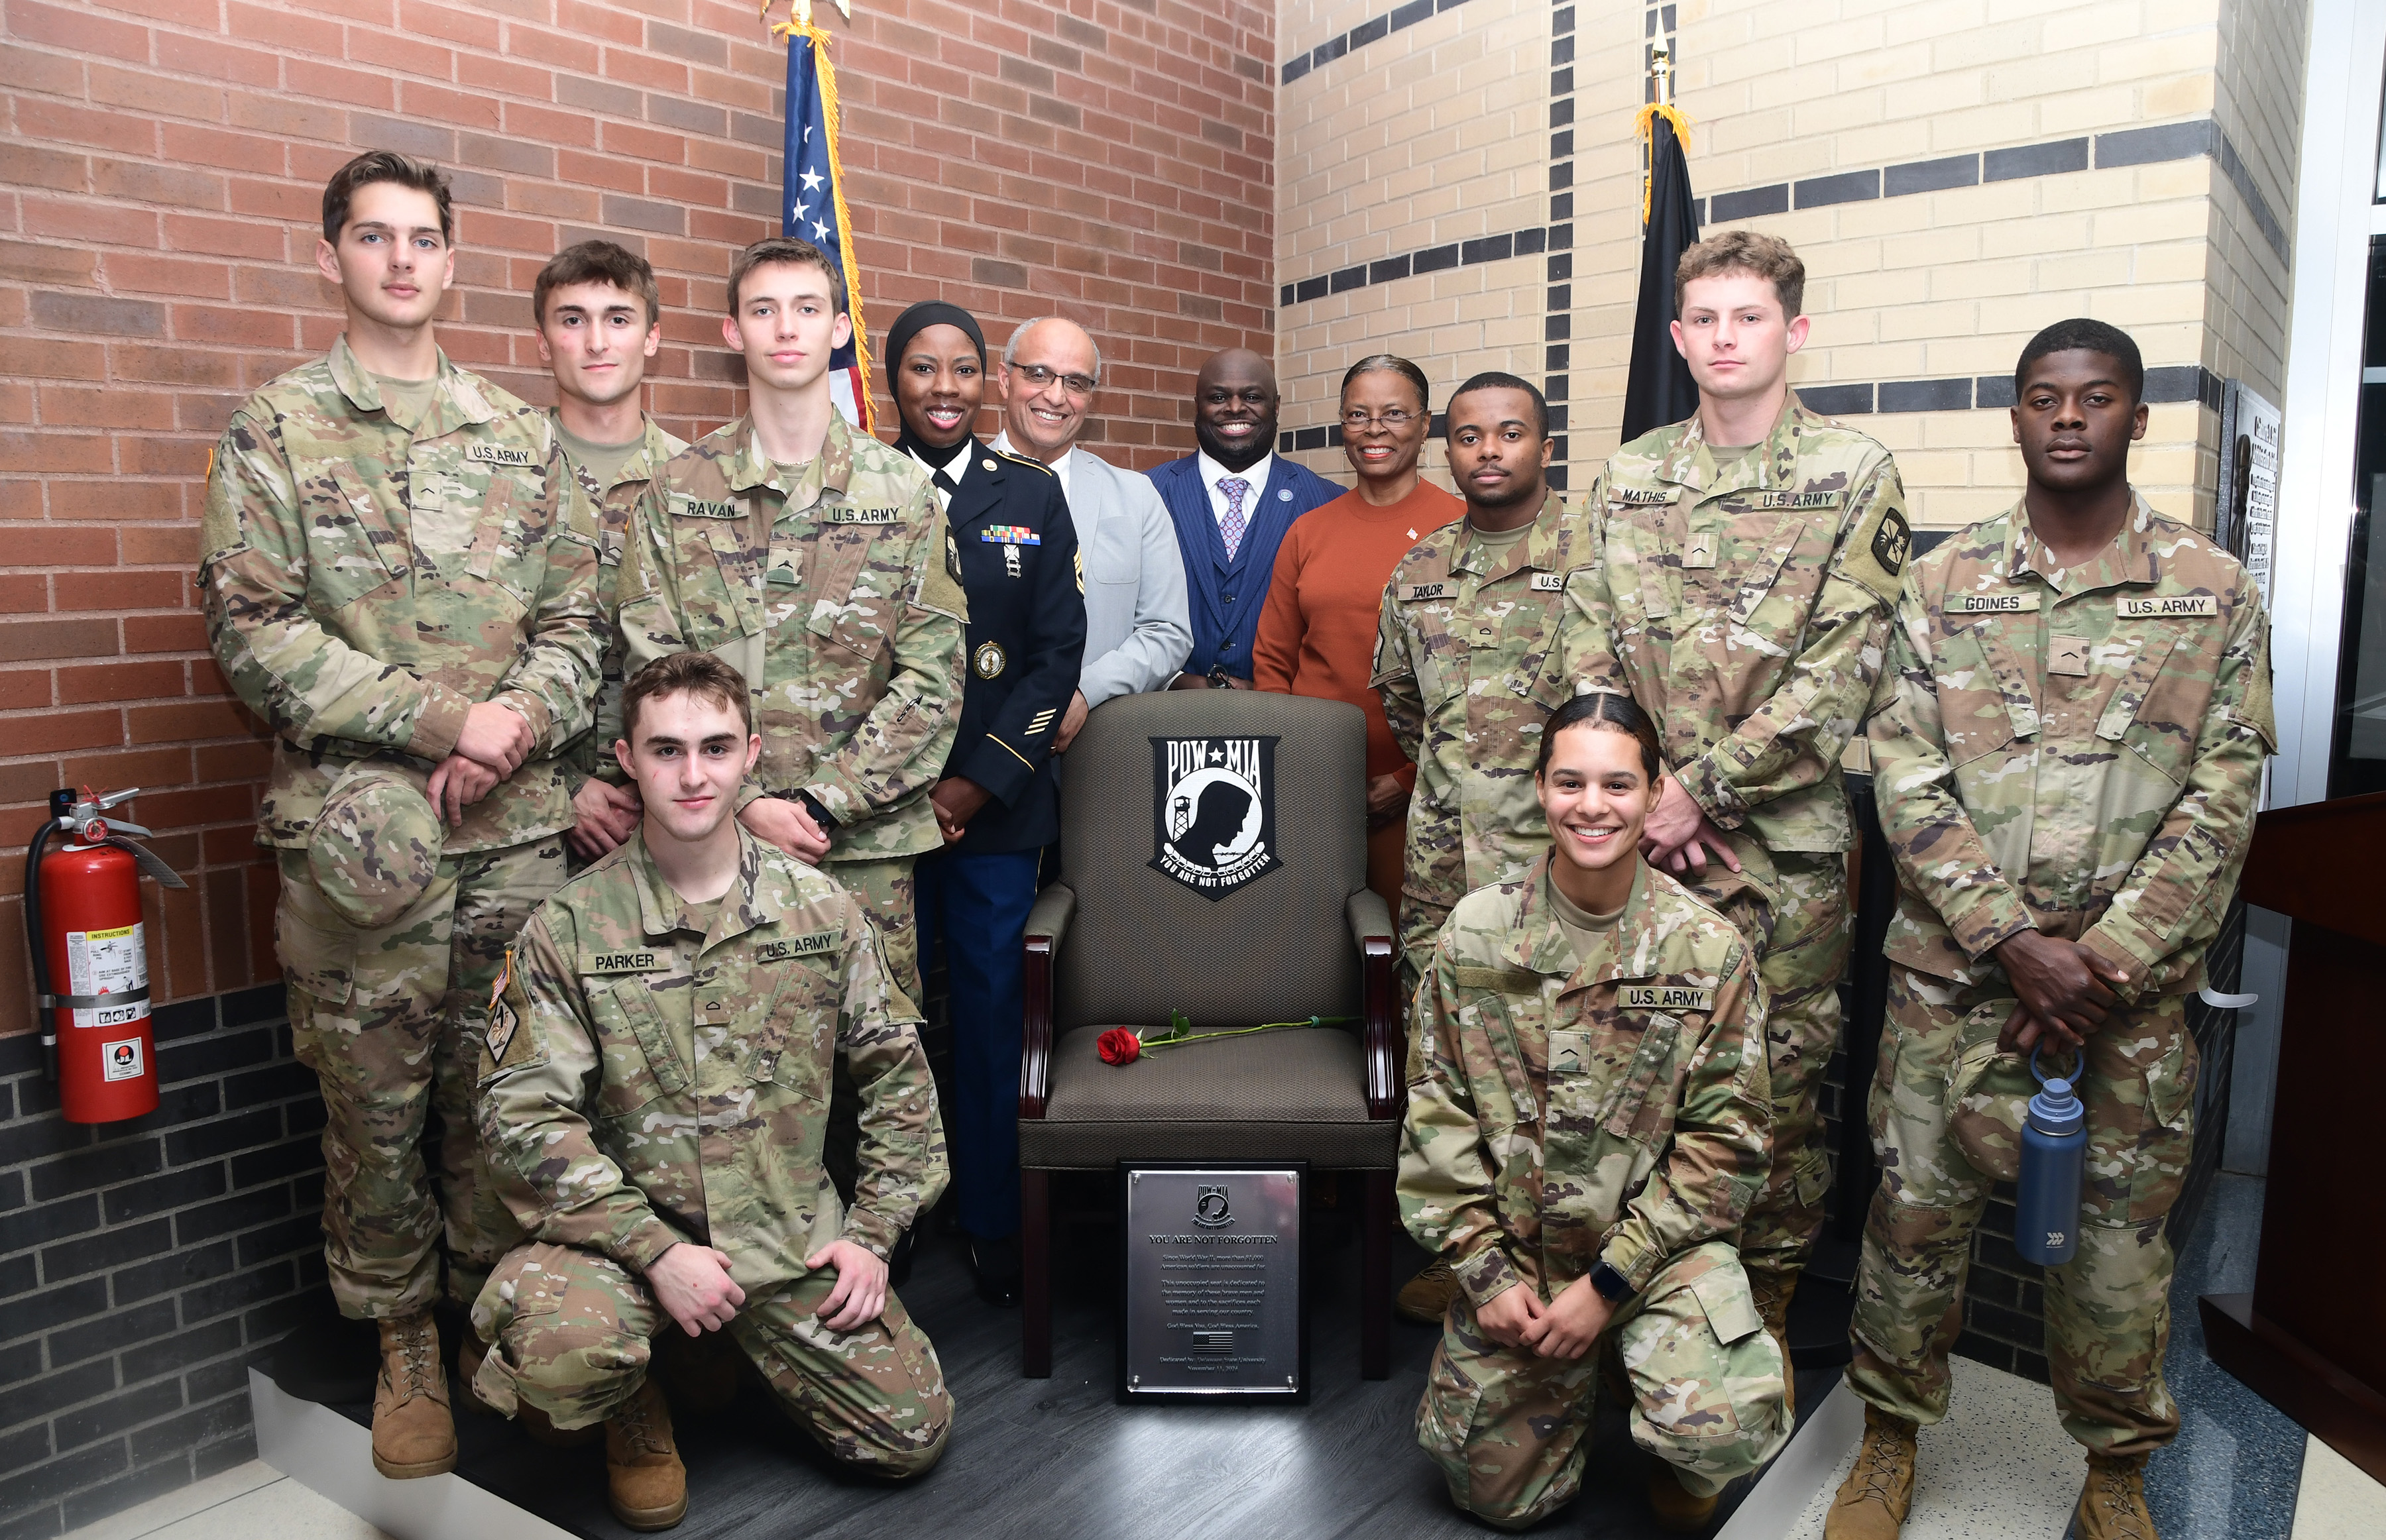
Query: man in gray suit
(1137,625)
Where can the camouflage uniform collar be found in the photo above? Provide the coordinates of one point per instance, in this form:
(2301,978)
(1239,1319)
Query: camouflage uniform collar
(745,906)
(1539,944)
(2129,559)
(652,451)
(831,470)
(1691,463)
(1537,550)
(455,399)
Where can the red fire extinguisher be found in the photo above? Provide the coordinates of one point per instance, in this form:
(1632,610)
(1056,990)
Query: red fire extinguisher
(82,923)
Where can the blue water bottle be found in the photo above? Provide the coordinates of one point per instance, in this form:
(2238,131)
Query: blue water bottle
(2054,1151)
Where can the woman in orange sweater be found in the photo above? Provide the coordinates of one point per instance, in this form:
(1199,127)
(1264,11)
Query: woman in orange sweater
(1317,634)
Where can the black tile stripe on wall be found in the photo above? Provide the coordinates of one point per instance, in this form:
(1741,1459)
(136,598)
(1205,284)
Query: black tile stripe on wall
(1370,31)
(1557,320)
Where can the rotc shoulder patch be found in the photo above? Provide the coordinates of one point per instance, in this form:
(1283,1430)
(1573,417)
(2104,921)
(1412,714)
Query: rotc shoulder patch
(1664,996)
(1990,603)
(1891,540)
(1875,557)
(2139,606)
(498,454)
(817,944)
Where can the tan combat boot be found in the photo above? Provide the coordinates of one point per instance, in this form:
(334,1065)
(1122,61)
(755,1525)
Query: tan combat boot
(2113,1503)
(1874,1498)
(646,1486)
(413,1433)
(1772,1291)
(1679,1510)
(1426,1298)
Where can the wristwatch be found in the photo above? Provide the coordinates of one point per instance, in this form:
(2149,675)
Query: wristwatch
(810,804)
(1219,678)
(1612,1286)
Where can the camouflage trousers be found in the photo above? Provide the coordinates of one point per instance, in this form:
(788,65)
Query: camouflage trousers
(2107,1314)
(888,890)
(1420,920)
(1508,1428)
(572,1332)
(1802,943)
(391,1021)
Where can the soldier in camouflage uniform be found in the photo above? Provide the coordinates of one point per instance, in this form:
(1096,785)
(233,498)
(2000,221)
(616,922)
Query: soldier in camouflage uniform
(829,580)
(655,1103)
(1582,1140)
(393,583)
(599,317)
(1746,593)
(1467,667)
(2068,743)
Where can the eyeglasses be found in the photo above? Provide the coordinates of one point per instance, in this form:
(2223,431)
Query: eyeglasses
(1039,376)
(1355,420)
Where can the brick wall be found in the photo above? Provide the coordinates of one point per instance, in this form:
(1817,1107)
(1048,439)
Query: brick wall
(163,162)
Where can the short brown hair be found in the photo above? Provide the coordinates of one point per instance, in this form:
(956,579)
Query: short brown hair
(596,262)
(385,166)
(684,673)
(786,248)
(1768,257)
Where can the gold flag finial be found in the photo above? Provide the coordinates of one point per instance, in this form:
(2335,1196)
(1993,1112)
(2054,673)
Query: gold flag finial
(1644,124)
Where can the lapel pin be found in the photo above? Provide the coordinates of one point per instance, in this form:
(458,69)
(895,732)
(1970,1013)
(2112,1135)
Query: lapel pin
(1283,495)
(987,465)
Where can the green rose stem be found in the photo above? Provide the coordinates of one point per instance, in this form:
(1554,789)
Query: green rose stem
(1177,1023)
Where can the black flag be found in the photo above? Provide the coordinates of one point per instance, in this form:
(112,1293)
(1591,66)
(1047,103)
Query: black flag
(1659,389)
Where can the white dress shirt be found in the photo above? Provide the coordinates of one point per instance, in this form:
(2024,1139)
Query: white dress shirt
(957,468)
(1257,473)
(1058,467)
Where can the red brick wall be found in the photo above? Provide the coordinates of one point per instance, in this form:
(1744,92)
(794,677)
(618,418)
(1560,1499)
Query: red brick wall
(160,170)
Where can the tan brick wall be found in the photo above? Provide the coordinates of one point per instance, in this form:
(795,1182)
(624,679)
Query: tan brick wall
(163,160)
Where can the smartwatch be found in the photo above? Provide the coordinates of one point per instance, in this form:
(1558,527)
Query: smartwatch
(1612,1286)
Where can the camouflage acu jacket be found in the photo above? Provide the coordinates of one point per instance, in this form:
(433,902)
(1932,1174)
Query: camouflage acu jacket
(839,598)
(1572,1107)
(2075,751)
(646,1082)
(608,510)
(1749,613)
(365,587)
(1466,665)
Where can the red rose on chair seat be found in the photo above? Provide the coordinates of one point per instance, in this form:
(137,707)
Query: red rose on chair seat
(1118,1046)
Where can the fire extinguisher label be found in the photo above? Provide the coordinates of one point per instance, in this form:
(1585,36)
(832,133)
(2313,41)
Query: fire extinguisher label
(109,962)
(121,1060)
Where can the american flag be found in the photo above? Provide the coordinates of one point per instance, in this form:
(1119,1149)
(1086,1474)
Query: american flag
(813,208)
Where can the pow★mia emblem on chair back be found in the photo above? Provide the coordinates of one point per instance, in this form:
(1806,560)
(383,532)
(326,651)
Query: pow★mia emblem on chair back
(1213,811)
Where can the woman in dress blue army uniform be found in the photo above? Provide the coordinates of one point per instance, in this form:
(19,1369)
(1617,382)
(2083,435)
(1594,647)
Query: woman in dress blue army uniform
(998,804)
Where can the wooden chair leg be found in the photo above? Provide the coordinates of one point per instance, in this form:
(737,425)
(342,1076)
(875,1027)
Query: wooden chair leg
(1035,1274)
(1375,1280)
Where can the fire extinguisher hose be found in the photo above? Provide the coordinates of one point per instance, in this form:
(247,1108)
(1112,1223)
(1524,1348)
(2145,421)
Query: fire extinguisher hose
(61,803)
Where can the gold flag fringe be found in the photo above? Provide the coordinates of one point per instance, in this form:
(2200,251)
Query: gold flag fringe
(1644,127)
(787,32)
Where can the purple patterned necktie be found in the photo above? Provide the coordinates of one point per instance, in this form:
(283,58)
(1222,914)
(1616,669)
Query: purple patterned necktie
(1236,489)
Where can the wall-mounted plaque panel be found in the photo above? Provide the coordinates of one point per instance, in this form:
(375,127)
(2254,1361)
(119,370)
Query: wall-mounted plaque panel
(1213,1279)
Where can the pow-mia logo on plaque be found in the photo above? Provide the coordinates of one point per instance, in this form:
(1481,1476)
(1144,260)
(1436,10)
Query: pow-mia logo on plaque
(1211,1208)
(1213,811)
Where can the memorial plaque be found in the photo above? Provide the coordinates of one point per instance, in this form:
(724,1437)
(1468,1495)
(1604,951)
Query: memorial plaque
(1213,1277)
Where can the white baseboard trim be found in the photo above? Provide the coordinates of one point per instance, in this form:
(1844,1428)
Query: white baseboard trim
(1799,1473)
(326,1453)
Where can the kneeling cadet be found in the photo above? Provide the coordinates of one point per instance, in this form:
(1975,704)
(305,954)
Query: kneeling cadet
(653,1104)
(1584,1137)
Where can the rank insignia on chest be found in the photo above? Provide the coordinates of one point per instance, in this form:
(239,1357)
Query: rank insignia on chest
(2139,606)
(2067,655)
(1990,604)
(498,454)
(1664,996)
(638,959)
(1570,1053)
(1643,495)
(1699,550)
(1549,582)
(1770,500)
(1010,535)
(1412,591)
(842,515)
(989,659)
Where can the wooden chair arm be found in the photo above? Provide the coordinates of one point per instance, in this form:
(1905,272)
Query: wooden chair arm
(1046,923)
(1379,1041)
